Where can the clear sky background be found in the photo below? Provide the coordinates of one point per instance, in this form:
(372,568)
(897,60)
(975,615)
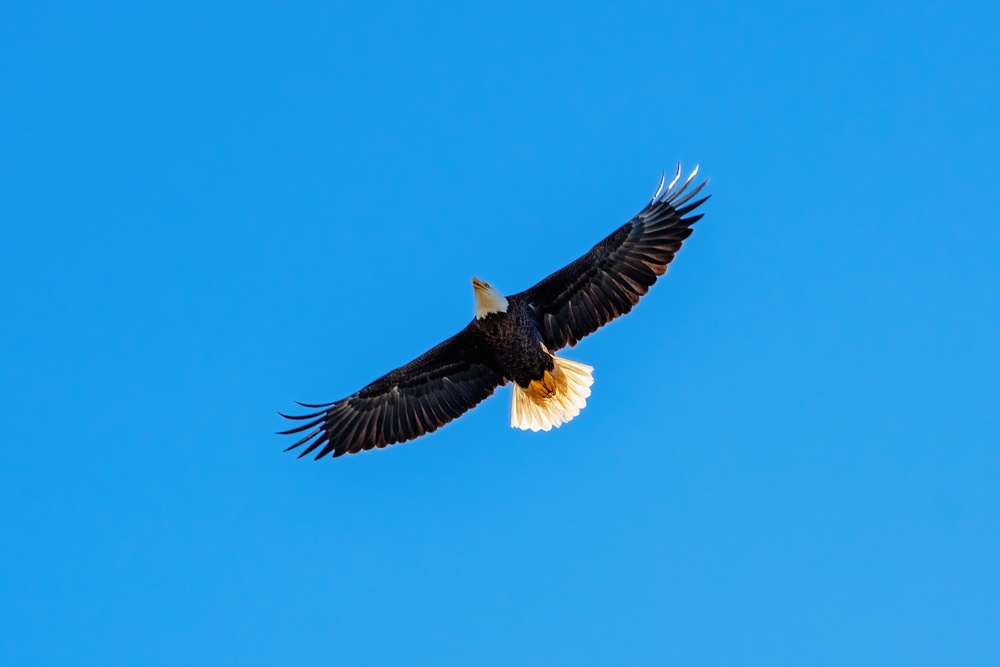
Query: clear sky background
(792,452)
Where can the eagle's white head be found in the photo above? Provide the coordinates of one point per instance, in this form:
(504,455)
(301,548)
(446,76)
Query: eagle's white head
(488,300)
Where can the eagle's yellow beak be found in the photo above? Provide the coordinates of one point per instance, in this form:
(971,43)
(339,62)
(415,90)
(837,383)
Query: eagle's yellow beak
(478,284)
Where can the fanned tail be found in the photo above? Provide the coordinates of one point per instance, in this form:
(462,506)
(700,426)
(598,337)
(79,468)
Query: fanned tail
(555,399)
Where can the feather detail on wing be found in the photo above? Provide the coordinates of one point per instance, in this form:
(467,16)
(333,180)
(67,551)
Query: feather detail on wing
(406,403)
(608,281)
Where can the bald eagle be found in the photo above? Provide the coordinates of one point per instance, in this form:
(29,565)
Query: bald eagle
(513,338)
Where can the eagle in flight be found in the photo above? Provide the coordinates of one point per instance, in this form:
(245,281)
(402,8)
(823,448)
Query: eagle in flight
(514,339)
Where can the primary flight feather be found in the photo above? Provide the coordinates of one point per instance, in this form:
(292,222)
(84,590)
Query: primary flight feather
(513,339)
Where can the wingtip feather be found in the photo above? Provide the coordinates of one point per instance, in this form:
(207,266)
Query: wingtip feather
(677,175)
(659,187)
(315,405)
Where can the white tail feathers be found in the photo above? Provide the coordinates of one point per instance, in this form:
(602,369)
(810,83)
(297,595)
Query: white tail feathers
(555,399)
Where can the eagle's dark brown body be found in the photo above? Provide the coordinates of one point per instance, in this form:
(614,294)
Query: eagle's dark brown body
(516,341)
(517,345)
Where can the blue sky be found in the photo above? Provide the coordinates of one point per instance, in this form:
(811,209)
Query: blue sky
(792,452)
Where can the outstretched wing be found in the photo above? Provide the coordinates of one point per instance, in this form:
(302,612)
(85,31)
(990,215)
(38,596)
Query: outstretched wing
(606,282)
(406,403)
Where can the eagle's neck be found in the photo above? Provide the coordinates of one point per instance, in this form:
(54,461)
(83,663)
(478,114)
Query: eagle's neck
(488,302)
